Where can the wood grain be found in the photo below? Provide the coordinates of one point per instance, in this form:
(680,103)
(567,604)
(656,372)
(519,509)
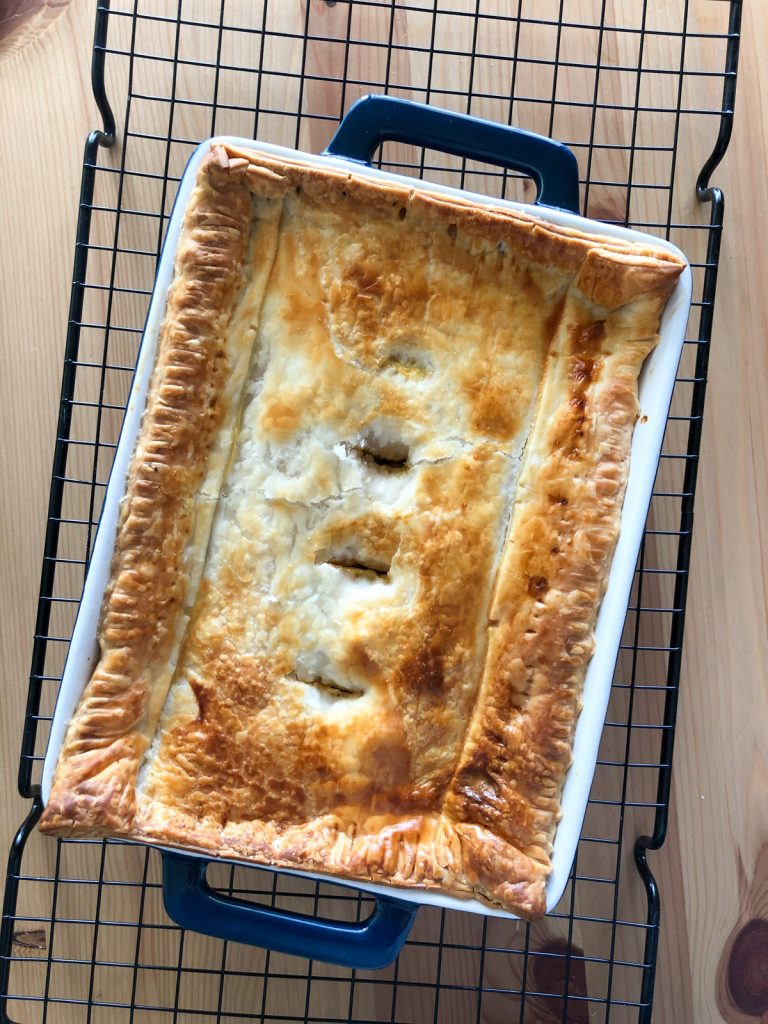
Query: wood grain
(712,870)
(720,810)
(44,98)
(22,20)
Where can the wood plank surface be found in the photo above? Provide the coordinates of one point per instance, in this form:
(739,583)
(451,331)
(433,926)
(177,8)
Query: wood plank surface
(713,870)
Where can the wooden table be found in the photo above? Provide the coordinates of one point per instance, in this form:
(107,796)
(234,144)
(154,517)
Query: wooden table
(713,870)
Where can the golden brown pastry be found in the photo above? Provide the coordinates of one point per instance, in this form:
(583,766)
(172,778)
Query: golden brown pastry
(366,533)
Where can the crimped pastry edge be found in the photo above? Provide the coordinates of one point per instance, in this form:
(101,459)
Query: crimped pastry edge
(608,273)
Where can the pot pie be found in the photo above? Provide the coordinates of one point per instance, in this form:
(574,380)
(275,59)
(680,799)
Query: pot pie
(365,535)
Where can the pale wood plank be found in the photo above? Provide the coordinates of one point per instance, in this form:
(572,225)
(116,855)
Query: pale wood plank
(45,110)
(720,814)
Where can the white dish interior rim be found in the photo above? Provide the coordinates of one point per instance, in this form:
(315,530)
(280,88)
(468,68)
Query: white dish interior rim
(655,392)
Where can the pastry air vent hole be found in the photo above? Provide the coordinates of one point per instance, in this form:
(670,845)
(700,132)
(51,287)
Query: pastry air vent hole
(349,558)
(408,361)
(328,686)
(386,455)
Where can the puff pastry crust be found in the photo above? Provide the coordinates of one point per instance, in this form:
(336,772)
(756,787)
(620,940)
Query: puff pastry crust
(366,532)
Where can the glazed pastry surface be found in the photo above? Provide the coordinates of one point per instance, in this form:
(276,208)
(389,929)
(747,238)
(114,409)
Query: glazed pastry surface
(365,535)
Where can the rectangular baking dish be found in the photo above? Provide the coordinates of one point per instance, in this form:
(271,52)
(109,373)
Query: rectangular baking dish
(371,121)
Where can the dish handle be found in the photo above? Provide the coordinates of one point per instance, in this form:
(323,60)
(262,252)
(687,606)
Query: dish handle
(365,945)
(376,119)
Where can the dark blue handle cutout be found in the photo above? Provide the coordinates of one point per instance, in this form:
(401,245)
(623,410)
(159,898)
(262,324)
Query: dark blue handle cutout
(366,945)
(376,119)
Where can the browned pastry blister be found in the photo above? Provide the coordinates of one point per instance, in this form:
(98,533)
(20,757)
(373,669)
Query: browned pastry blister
(366,532)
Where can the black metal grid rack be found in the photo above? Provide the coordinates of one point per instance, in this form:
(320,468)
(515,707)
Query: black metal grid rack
(84,936)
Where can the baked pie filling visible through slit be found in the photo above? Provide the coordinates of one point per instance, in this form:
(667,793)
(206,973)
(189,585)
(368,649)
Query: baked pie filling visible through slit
(366,533)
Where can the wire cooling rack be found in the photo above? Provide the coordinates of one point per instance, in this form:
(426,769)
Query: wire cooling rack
(643,93)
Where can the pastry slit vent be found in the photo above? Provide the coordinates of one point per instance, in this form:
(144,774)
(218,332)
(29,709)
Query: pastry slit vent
(328,686)
(351,559)
(408,361)
(388,456)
